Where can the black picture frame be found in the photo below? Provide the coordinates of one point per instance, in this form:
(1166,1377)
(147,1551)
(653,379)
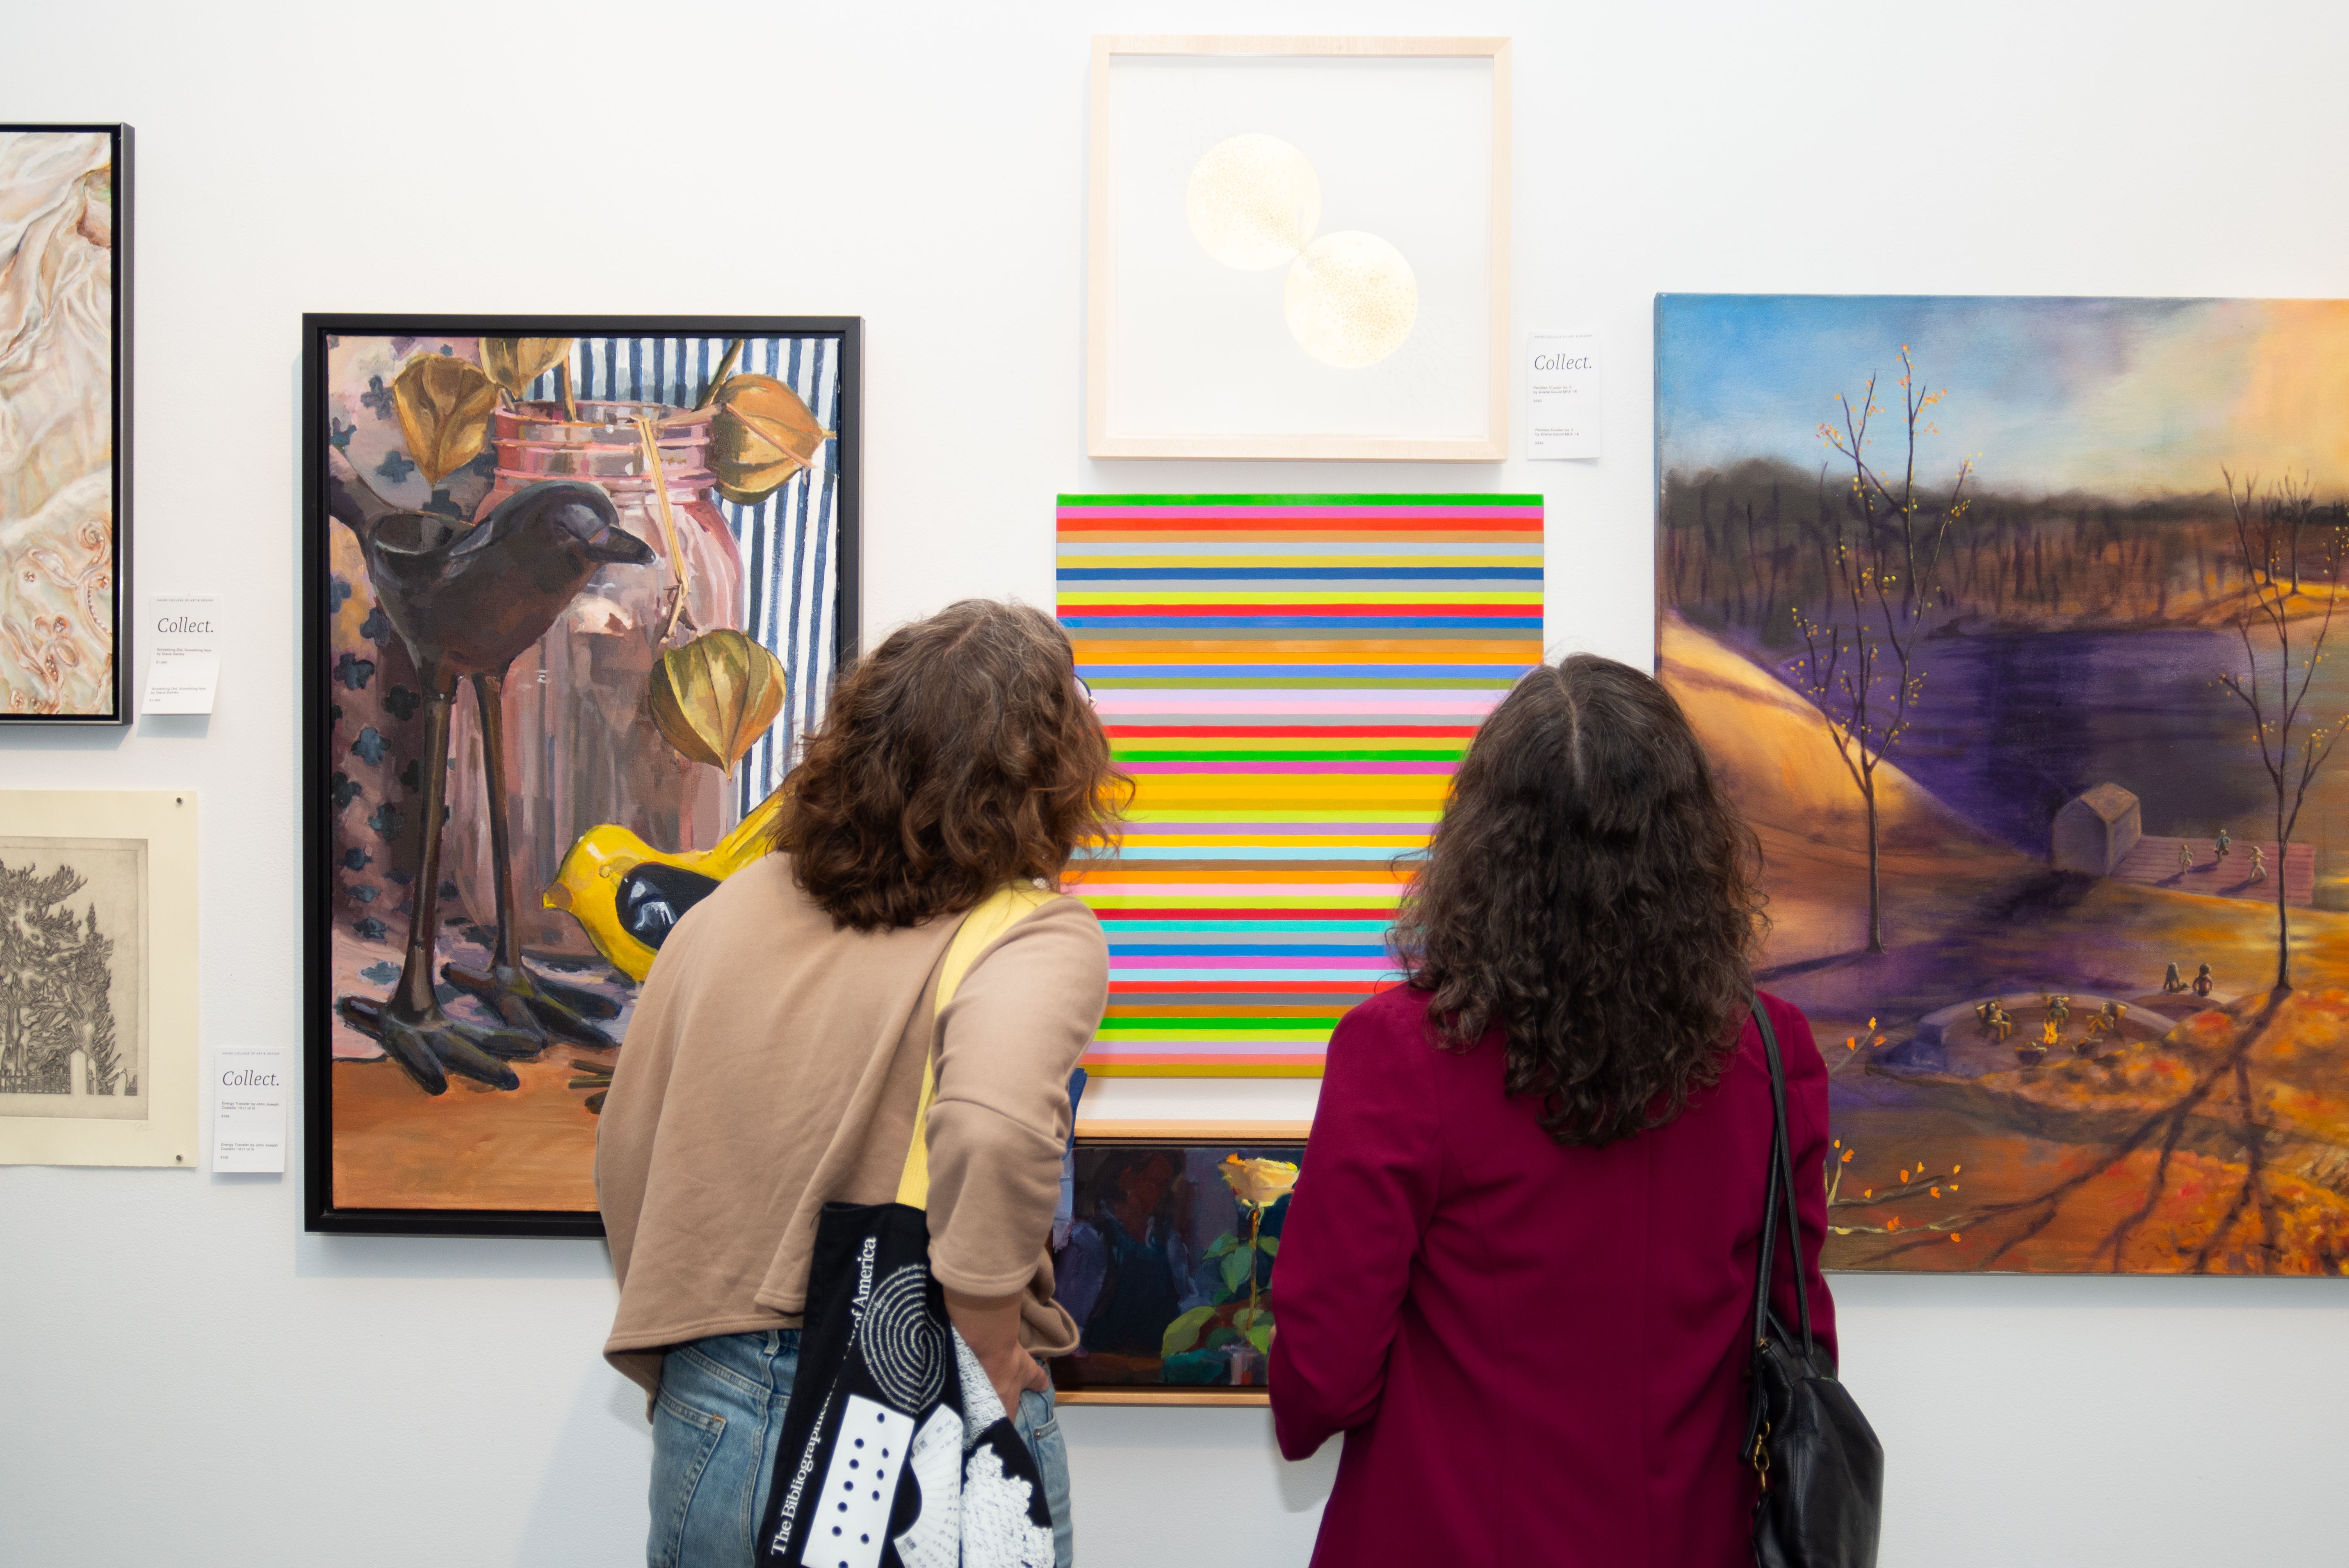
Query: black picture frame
(118,139)
(1181,1141)
(321,1212)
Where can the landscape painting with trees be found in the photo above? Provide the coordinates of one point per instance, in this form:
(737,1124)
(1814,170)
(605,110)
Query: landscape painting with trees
(2010,623)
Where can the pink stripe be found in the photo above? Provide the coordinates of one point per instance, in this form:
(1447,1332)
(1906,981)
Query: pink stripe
(1289,767)
(1310,513)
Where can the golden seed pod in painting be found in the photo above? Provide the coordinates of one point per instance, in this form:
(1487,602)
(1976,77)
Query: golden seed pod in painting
(444,411)
(513,363)
(713,698)
(1258,1183)
(763,436)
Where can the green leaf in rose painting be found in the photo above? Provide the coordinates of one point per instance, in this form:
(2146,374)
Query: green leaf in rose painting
(1184,1332)
(1224,1243)
(1237,1268)
(1221,1336)
(1269,1245)
(1261,1337)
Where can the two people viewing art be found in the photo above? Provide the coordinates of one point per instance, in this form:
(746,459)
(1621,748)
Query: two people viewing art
(1527,1224)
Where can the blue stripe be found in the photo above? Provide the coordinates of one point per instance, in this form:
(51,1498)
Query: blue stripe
(1249,950)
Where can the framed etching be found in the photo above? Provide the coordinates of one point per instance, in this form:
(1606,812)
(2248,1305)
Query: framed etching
(573,588)
(1299,248)
(64,423)
(98,978)
(1164,1254)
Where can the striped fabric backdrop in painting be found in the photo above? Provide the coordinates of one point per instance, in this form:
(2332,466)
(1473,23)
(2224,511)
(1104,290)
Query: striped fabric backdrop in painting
(790,541)
(1290,679)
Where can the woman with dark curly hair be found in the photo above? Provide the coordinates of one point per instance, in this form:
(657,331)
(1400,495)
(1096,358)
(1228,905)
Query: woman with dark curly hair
(1518,1271)
(774,1062)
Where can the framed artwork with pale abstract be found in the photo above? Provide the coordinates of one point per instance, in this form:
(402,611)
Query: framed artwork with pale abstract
(1299,248)
(573,588)
(64,412)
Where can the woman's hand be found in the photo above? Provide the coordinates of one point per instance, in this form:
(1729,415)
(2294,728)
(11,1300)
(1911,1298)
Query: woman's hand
(990,1326)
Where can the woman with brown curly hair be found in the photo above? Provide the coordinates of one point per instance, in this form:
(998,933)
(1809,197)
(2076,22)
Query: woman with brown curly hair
(1518,1271)
(775,1059)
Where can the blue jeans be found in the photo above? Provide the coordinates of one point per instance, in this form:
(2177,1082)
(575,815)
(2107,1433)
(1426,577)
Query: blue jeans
(716,1427)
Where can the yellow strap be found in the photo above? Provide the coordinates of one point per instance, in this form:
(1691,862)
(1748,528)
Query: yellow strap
(980,927)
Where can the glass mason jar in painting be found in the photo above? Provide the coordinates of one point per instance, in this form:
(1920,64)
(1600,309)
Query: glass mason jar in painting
(581,747)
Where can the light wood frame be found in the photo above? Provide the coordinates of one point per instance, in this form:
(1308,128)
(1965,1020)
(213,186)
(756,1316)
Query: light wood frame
(1179,1135)
(1099,443)
(169,1136)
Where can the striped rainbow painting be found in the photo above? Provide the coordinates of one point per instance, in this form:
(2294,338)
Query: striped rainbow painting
(1290,680)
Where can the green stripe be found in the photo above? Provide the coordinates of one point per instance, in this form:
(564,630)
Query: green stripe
(1440,498)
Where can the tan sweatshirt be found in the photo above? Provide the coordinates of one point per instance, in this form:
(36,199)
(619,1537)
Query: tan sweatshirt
(772,1066)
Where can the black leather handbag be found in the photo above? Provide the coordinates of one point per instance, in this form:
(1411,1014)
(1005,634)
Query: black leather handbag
(1821,1468)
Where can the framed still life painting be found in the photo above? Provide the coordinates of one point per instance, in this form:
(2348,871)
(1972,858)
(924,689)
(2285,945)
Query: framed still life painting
(574,589)
(64,423)
(1163,1253)
(1299,248)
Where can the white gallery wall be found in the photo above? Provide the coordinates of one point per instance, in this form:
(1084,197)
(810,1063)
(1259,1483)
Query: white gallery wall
(186,1376)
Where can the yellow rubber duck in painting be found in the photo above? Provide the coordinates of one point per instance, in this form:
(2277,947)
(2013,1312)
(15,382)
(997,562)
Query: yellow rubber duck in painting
(621,890)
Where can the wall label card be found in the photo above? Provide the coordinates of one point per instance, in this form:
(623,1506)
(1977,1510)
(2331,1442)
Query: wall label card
(249,1096)
(184,674)
(1564,401)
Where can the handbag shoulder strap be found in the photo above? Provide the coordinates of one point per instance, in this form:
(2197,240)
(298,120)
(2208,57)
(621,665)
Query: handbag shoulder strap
(1782,1181)
(995,915)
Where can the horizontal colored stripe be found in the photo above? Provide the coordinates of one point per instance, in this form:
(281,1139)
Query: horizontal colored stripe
(1293,651)
(1340,749)
(1272,730)
(1155,1066)
(1231,600)
(1259,766)
(1304,574)
(1341,616)
(1320,625)
(1065,498)
(1241,991)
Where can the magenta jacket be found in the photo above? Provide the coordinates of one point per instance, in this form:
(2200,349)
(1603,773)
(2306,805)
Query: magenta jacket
(1536,1354)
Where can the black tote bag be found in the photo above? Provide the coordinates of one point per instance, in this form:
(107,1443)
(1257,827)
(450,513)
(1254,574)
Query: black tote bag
(897,1452)
(1821,1467)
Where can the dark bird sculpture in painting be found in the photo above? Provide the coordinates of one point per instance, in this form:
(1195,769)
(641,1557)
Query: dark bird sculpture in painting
(468,600)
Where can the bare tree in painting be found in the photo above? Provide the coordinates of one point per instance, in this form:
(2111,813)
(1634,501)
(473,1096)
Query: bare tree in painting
(2293,746)
(2274,532)
(1859,665)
